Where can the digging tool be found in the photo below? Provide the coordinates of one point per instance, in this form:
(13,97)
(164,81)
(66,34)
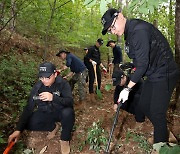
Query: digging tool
(98,92)
(9,147)
(113,127)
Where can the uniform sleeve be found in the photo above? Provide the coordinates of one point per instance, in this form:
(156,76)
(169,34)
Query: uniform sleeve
(140,42)
(119,53)
(89,54)
(65,98)
(28,109)
(116,93)
(68,61)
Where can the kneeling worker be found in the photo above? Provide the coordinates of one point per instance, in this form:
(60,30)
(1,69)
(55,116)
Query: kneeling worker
(50,101)
(120,80)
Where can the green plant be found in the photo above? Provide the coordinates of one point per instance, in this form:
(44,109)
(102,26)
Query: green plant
(142,142)
(170,149)
(17,78)
(96,137)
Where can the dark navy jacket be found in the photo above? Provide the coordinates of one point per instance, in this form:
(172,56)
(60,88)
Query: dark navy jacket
(76,65)
(150,51)
(62,97)
(117,53)
(94,54)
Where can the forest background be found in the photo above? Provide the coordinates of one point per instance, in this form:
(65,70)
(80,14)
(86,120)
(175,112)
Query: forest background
(32,31)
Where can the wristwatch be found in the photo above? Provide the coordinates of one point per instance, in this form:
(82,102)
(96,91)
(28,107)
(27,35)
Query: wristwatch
(128,89)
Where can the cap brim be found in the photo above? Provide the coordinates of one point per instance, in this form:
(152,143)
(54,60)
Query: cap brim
(106,26)
(44,74)
(58,54)
(115,83)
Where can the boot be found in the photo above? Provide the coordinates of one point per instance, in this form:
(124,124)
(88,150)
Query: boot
(53,133)
(65,148)
(172,139)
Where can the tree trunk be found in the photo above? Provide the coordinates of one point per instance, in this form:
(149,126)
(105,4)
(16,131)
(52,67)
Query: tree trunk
(2,10)
(13,15)
(53,8)
(177,48)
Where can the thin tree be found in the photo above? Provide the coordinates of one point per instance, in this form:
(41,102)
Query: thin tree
(177,48)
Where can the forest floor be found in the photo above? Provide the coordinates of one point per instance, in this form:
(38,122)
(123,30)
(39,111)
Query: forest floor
(129,136)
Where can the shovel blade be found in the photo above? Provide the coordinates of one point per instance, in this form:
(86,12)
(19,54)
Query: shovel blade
(99,94)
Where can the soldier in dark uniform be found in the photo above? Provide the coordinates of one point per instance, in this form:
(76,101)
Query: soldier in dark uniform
(94,57)
(153,58)
(78,72)
(50,101)
(117,54)
(120,80)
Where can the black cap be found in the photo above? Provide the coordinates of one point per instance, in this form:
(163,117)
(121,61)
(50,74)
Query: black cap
(61,51)
(85,49)
(100,41)
(108,18)
(116,77)
(46,69)
(110,41)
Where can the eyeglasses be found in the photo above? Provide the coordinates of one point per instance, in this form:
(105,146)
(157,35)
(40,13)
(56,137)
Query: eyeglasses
(112,27)
(45,78)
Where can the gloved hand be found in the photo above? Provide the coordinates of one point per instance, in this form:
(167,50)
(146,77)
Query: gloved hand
(93,63)
(104,69)
(124,95)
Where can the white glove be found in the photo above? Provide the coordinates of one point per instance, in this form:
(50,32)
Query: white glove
(124,95)
(93,63)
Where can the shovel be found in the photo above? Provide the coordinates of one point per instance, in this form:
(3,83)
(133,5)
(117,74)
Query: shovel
(98,92)
(9,147)
(112,129)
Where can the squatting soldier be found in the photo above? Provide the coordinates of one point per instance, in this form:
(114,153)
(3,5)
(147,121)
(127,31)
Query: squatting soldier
(50,101)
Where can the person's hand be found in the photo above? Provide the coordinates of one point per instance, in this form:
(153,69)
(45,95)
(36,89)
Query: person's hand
(46,96)
(104,69)
(110,64)
(115,107)
(123,96)
(93,62)
(64,67)
(14,136)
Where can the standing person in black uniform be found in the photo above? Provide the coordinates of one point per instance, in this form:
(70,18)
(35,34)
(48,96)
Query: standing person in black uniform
(153,58)
(117,53)
(120,80)
(94,57)
(50,101)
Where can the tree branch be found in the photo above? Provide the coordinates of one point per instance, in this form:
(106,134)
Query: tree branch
(15,14)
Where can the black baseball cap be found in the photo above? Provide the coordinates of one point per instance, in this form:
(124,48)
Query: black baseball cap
(110,41)
(46,69)
(85,49)
(107,19)
(100,41)
(61,51)
(116,77)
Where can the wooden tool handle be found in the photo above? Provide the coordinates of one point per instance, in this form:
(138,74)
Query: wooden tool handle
(95,75)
